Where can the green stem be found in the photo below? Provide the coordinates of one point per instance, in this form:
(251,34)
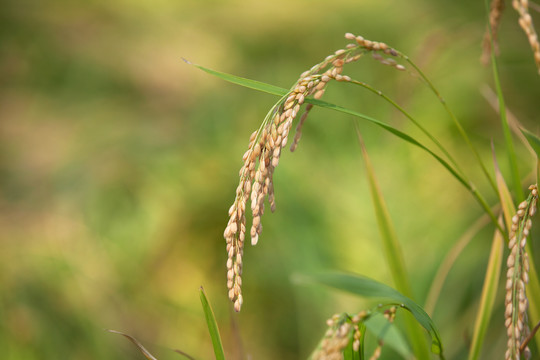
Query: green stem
(408,116)
(470,186)
(455,120)
(510,150)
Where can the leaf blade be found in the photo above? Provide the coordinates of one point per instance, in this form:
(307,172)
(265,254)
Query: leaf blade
(366,287)
(489,292)
(139,346)
(252,84)
(212,326)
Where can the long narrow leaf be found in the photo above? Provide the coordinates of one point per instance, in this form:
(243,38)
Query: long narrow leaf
(533,286)
(390,242)
(392,130)
(505,198)
(275,90)
(449,260)
(378,325)
(392,250)
(260,86)
(252,84)
(366,287)
(533,140)
(212,326)
(139,346)
(489,292)
(510,152)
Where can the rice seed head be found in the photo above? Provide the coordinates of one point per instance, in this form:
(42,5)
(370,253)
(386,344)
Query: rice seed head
(495,14)
(342,330)
(516,302)
(526,23)
(265,149)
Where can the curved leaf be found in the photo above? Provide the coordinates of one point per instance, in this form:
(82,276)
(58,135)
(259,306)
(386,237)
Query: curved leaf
(276,90)
(533,140)
(139,346)
(366,287)
(378,325)
(212,326)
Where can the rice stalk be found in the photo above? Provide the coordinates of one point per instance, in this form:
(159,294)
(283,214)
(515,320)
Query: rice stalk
(516,302)
(265,149)
(526,23)
(495,12)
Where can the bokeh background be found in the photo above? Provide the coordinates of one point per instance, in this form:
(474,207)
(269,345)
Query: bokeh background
(118,163)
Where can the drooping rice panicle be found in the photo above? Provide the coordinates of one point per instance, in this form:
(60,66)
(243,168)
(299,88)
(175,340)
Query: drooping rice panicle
(517,276)
(526,23)
(266,144)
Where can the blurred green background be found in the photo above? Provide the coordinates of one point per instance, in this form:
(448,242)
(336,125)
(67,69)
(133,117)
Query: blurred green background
(118,163)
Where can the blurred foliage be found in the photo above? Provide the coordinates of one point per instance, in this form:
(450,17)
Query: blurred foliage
(118,163)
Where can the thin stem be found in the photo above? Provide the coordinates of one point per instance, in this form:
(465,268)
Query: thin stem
(455,120)
(529,338)
(514,171)
(468,184)
(408,116)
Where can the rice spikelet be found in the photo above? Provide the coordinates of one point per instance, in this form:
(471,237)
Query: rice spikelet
(517,276)
(495,13)
(341,330)
(526,23)
(266,144)
(344,329)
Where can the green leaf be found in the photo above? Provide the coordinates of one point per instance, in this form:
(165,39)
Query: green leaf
(392,251)
(448,262)
(252,84)
(505,197)
(390,242)
(363,286)
(348,352)
(392,130)
(533,140)
(510,151)
(270,89)
(389,333)
(212,327)
(139,346)
(275,90)
(489,292)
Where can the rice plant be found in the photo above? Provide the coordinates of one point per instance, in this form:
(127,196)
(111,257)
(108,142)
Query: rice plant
(347,334)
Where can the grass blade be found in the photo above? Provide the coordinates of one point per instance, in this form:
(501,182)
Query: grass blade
(378,325)
(366,287)
(449,260)
(252,84)
(139,346)
(507,204)
(458,125)
(534,141)
(533,287)
(489,292)
(275,90)
(392,130)
(413,120)
(510,151)
(392,250)
(212,326)
(390,242)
